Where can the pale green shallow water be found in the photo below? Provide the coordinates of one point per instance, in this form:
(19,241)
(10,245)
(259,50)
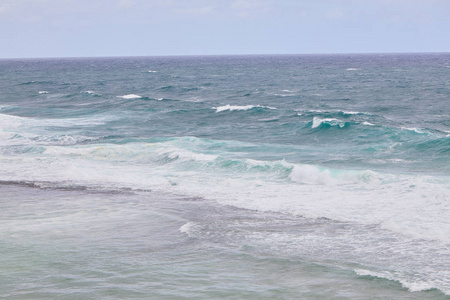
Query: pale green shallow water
(82,245)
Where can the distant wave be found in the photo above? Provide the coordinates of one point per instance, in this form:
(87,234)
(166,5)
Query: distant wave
(344,113)
(11,121)
(36,82)
(90,93)
(329,121)
(130,96)
(43,92)
(284,93)
(351,112)
(239,107)
(415,130)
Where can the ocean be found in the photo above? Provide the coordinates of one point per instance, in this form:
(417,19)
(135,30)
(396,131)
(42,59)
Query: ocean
(238,177)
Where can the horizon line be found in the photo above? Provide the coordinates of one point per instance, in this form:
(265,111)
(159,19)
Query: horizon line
(211,55)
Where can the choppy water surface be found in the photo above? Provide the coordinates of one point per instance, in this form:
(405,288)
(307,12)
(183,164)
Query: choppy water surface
(206,177)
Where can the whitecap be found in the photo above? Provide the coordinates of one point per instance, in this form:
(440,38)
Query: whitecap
(92,93)
(269,119)
(43,92)
(130,96)
(352,113)
(284,93)
(351,69)
(239,107)
(414,129)
(152,71)
(331,121)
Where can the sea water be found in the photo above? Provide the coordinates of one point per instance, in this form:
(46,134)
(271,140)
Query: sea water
(244,177)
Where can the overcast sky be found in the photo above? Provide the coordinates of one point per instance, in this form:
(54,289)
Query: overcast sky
(75,28)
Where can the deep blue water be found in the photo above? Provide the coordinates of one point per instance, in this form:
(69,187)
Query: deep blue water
(203,176)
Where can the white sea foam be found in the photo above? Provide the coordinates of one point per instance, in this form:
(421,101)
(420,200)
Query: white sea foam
(190,228)
(186,155)
(414,129)
(413,286)
(152,71)
(8,121)
(131,152)
(91,93)
(412,205)
(352,113)
(43,92)
(285,93)
(239,107)
(269,119)
(130,96)
(309,174)
(351,69)
(332,121)
(344,112)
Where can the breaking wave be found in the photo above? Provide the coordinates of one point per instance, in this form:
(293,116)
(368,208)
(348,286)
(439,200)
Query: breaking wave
(130,96)
(240,107)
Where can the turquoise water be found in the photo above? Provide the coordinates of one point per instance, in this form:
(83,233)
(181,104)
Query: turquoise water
(243,177)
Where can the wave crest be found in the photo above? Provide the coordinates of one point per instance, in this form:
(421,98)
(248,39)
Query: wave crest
(317,122)
(411,285)
(240,107)
(130,96)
